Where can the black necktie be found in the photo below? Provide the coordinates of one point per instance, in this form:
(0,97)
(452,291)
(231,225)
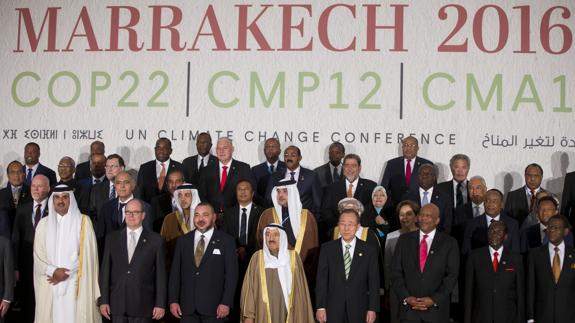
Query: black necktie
(120,213)
(335,175)
(459,196)
(37,215)
(96,181)
(202,163)
(292,176)
(271,169)
(243,225)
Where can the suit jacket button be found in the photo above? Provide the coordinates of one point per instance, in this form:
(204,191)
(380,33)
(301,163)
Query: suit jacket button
(197,273)
(129,272)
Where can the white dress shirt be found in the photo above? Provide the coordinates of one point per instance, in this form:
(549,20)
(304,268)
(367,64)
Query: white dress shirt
(561,252)
(207,237)
(159,167)
(138,233)
(354,183)
(351,249)
(429,194)
(488,219)
(296,175)
(248,210)
(429,239)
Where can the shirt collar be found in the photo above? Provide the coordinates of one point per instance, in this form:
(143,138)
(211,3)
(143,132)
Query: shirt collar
(351,243)
(430,235)
(207,235)
(499,251)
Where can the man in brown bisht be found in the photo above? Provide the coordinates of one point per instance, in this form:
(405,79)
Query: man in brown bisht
(181,221)
(275,289)
(299,224)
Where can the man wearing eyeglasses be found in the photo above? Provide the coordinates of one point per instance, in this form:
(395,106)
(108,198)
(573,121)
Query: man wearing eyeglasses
(400,174)
(113,213)
(133,276)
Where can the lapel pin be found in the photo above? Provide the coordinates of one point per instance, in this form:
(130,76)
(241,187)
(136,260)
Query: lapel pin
(360,254)
(570,256)
(504,263)
(144,240)
(431,252)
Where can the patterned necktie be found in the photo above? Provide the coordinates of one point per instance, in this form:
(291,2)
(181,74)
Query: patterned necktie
(37,215)
(349,192)
(200,250)
(556,265)
(347,260)
(243,225)
(292,176)
(131,245)
(425,199)
(475,211)
(16,196)
(459,196)
(533,201)
(495,261)
(224,178)
(408,173)
(112,193)
(202,165)
(423,252)
(162,177)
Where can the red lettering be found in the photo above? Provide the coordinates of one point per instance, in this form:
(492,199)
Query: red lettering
(51,16)
(216,33)
(287,28)
(157,28)
(88,33)
(323,28)
(253,28)
(397,28)
(115,28)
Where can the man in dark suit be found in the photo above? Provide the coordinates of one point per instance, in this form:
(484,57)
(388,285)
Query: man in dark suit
(551,277)
(568,198)
(263,171)
(193,165)
(427,192)
(456,188)
(83,169)
(347,288)
(27,217)
(97,171)
(33,167)
(536,235)
(241,222)
(133,274)
(351,186)
(105,191)
(202,287)
(307,181)
(476,230)
(218,181)
(474,208)
(331,172)
(113,213)
(162,204)
(66,169)
(15,193)
(397,176)
(424,270)
(6,277)
(495,282)
(152,175)
(523,200)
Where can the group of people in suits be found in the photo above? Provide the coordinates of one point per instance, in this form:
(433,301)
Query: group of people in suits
(414,251)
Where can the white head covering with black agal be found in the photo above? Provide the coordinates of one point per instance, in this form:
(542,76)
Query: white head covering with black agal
(195,200)
(63,237)
(294,203)
(281,262)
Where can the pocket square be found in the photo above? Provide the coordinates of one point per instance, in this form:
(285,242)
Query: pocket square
(509,269)
(216,252)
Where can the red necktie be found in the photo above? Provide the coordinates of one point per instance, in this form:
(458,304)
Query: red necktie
(408,172)
(224,178)
(423,252)
(495,261)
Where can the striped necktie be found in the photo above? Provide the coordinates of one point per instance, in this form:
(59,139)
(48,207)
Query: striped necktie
(347,260)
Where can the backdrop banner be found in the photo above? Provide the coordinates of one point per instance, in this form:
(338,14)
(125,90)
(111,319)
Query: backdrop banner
(492,79)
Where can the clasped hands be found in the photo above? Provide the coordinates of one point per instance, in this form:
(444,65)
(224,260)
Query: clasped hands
(419,303)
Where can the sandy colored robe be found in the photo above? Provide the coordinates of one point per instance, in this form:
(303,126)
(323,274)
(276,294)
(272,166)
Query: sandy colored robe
(173,228)
(309,250)
(87,288)
(252,298)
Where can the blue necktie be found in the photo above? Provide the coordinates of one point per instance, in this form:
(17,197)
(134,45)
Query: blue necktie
(29,177)
(243,225)
(425,199)
(271,169)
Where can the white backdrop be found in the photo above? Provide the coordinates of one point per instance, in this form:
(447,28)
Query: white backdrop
(63,80)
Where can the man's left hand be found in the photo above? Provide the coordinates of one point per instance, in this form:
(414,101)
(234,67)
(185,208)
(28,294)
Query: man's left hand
(222,311)
(4,306)
(370,318)
(158,313)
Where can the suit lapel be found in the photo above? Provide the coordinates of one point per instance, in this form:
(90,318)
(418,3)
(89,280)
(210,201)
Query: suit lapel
(123,245)
(567,262)
(328,178)
(235,224)
(144,236)
(359,189)
(339,259)
(435,246)
(357,258)
(209,249)
(231,173)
